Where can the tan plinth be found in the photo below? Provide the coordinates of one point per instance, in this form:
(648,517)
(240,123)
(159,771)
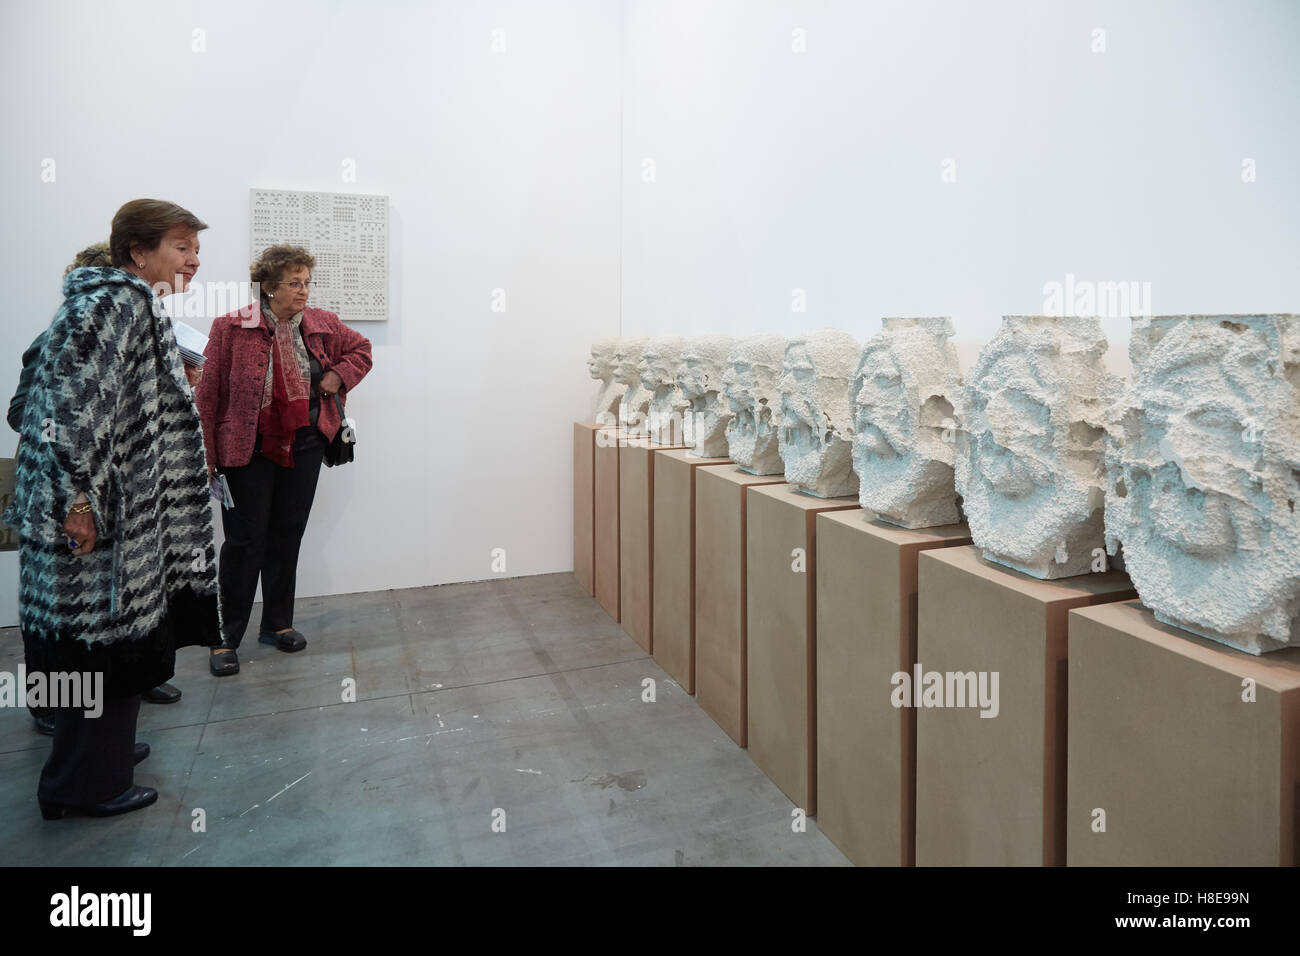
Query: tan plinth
(636,481)
(866,632)
(991,791)
(605,520)
(721,501)
(1162,739)
(674,562)
(584,504)
(781,607)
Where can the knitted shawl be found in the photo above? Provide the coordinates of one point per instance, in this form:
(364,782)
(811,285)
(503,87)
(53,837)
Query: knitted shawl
(110,414)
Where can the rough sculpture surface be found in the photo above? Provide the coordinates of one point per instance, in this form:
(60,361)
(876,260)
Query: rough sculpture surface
(660,360)
(903,430)
(633,406)
(816,436)
(1203,462)
(705,413)
(610,392)
(1030,462)
(750,385)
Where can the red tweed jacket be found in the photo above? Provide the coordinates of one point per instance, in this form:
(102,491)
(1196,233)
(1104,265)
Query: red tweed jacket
(229,395)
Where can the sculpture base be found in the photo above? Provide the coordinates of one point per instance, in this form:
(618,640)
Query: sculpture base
(781,612)
(584,504)
(674,562)
(1167,741)
(866,631)
(609,440)
(636,483)
(991,791)
(721,500)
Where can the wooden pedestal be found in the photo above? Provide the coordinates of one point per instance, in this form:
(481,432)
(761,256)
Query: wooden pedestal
(605,529)
(636,481)
(866,632)
(781,607)
(721,502)
(584,504)
(991,791)
(1184,750)
(673,619)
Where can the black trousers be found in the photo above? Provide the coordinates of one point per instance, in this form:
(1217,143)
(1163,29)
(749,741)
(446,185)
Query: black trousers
(263,534)
(93,758)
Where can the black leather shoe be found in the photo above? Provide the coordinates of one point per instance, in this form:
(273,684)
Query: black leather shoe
(289,642)
(141,752)
(134,798)
(223,661)
(162,694)
(44,725)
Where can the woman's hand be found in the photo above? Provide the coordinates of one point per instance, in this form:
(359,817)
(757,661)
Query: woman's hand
(330,382)
(194,374)
(81,529)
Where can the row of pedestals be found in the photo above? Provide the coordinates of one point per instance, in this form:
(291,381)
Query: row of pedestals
(928,706)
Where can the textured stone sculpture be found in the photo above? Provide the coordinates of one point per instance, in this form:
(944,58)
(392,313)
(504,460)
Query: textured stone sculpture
(610,393)
(816,437)
(1203,462)
(634,404)
(904,431)
(660,360)
(705,413)
(1031,463)
(750,385)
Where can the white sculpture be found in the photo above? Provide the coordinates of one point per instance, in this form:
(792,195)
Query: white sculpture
(816,436)
(1031,464)
(610,393)
(904,430)
(1204,462)
(633,406)
(660,359)
(750,385)
(704,413)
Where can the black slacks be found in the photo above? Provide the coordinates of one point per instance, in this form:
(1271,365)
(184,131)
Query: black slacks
(263,533)
(93,758)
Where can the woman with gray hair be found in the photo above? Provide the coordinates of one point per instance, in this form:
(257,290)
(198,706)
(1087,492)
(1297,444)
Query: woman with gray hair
(116,554)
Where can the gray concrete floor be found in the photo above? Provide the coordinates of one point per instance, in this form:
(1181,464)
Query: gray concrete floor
(513,700)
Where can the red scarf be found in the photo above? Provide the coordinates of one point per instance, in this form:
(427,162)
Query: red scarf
(285,401)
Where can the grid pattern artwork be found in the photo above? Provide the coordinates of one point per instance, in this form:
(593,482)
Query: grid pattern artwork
(348,235)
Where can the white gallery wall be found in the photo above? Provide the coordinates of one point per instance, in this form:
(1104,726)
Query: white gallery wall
(494,130)
(943,157)
(646,166)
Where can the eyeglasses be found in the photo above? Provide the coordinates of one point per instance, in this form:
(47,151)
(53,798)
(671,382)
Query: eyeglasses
(297,284)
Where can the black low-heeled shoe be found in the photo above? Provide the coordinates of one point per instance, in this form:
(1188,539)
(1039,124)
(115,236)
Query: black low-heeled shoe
(141,752)
(223,661)
(162,694)
(134,798)
(290,641)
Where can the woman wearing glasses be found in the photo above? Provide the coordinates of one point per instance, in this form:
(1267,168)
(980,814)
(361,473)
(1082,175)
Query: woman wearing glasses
(268,409)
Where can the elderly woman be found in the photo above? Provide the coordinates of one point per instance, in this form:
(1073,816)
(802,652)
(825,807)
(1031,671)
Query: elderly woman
(97,254)
(116,554)
(269,408)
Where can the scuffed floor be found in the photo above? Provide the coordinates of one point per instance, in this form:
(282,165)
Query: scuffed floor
(494,723)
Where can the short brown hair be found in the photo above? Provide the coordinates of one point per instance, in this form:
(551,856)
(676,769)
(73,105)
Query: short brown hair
(271,265)
(144,222)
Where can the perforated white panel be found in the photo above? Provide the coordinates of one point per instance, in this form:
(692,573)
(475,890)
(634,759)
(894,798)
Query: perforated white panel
(348,235)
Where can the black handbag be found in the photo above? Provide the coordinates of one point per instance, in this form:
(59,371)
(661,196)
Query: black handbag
(343,447)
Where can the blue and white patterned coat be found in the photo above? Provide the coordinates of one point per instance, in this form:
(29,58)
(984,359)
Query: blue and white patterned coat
(110,414)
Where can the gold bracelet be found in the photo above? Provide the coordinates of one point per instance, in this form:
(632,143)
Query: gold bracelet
(81,509)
